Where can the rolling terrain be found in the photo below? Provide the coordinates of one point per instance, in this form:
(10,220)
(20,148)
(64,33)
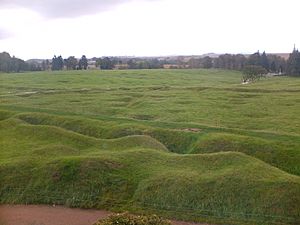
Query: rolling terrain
(186,144)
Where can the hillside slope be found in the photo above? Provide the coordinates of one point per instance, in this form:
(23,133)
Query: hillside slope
(48,164)
(278,150)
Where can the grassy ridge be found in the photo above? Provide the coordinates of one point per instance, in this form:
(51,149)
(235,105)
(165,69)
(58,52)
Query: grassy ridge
(91,172)
(279,151)
(191,144)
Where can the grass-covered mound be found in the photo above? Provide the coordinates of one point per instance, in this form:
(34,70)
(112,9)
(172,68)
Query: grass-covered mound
(49,164)
(278,153)
(277,150)
(175,140)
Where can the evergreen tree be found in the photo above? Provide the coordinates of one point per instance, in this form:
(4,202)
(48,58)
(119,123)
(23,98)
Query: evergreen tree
(254,59)
(273,67)
(265,61)
(83,63)
(277,64)
(54,63)
(57,63)
(293,63)
(60,62)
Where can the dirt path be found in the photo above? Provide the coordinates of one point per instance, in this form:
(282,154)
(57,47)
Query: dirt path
(47,215)
(58,215)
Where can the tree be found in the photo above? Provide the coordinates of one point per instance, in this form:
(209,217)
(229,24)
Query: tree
(17,65)
(194,63)
(239,62)
(206,62)
(132,64)
(265,61)
(34,66)
(252,73)
(277,64)
(12,64)
(4,62)
(293,63)
(57,63)
(273,67)
(45,64)
(83,62)
(225,61)
(254,59)
(105,63)
(155,64)
(71,63)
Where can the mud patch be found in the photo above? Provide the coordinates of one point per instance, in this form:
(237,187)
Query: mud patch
(55,215)
(194,130)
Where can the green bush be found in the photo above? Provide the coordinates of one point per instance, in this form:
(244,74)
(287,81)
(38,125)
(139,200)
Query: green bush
(128,219)
(252,73)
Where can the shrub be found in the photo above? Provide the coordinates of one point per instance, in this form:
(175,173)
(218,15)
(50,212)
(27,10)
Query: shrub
(252,73)
(128,219)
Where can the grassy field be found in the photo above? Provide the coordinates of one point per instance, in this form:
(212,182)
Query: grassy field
(187,144)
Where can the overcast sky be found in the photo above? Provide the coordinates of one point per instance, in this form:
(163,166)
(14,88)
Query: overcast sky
(40,29)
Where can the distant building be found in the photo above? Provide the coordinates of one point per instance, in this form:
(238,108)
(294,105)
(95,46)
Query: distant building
(175,66)
(91,65)
(122,66)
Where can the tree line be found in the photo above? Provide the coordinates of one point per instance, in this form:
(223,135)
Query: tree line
(71,63)
(13,64)
(272,63)
(257,66)
(267,63)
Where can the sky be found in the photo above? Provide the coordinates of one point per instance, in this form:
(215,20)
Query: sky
(44,28)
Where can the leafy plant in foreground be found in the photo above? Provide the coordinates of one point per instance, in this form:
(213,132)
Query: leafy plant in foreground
(128,219)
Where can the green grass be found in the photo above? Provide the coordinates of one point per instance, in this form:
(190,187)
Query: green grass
(213,98)
(122,140)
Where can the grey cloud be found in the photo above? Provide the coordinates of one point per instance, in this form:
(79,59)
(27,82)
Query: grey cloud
(64,8)
(4,34)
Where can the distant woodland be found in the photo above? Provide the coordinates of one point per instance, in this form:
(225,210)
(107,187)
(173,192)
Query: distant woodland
(271,63)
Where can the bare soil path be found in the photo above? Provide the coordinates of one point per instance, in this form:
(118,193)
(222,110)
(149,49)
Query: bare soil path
(58,215)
